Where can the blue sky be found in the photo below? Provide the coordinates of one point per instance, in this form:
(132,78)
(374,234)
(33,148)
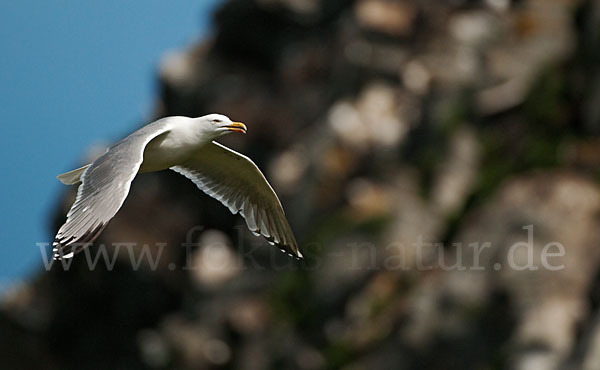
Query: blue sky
(73,74)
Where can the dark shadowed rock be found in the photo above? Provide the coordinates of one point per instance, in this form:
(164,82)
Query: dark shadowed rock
(410,143)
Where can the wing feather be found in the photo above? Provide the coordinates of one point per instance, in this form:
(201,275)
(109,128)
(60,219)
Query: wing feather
(104,187)
(235,181)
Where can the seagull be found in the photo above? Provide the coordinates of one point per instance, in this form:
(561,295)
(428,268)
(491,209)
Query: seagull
(186,146)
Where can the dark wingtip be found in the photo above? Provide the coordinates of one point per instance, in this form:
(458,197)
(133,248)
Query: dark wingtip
(65,249)
(292,252)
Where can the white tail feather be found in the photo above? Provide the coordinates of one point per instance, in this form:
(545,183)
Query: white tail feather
(72,177)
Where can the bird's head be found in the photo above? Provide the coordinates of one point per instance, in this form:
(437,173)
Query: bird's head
(219,125)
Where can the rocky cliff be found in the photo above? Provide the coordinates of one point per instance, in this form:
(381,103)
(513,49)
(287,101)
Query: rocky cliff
(438,162)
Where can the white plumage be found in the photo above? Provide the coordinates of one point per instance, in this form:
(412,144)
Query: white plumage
(186,146)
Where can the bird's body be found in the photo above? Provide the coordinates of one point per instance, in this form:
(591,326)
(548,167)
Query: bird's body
(172,147)
(186,146)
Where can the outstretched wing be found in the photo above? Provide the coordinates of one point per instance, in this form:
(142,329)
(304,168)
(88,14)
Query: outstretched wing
(105,185)
(235,181)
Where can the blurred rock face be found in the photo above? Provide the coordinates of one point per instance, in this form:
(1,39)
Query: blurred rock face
(514,241)
(437,161)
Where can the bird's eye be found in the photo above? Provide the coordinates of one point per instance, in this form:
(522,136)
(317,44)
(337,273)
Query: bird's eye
(216,120)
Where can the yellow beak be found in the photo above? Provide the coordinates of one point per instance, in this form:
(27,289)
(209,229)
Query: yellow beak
(237,127)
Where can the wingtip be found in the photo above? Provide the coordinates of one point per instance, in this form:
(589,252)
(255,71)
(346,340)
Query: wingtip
(290,251)
(58,254)
(65,248)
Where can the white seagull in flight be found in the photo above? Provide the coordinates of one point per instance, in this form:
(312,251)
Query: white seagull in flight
(186,146)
